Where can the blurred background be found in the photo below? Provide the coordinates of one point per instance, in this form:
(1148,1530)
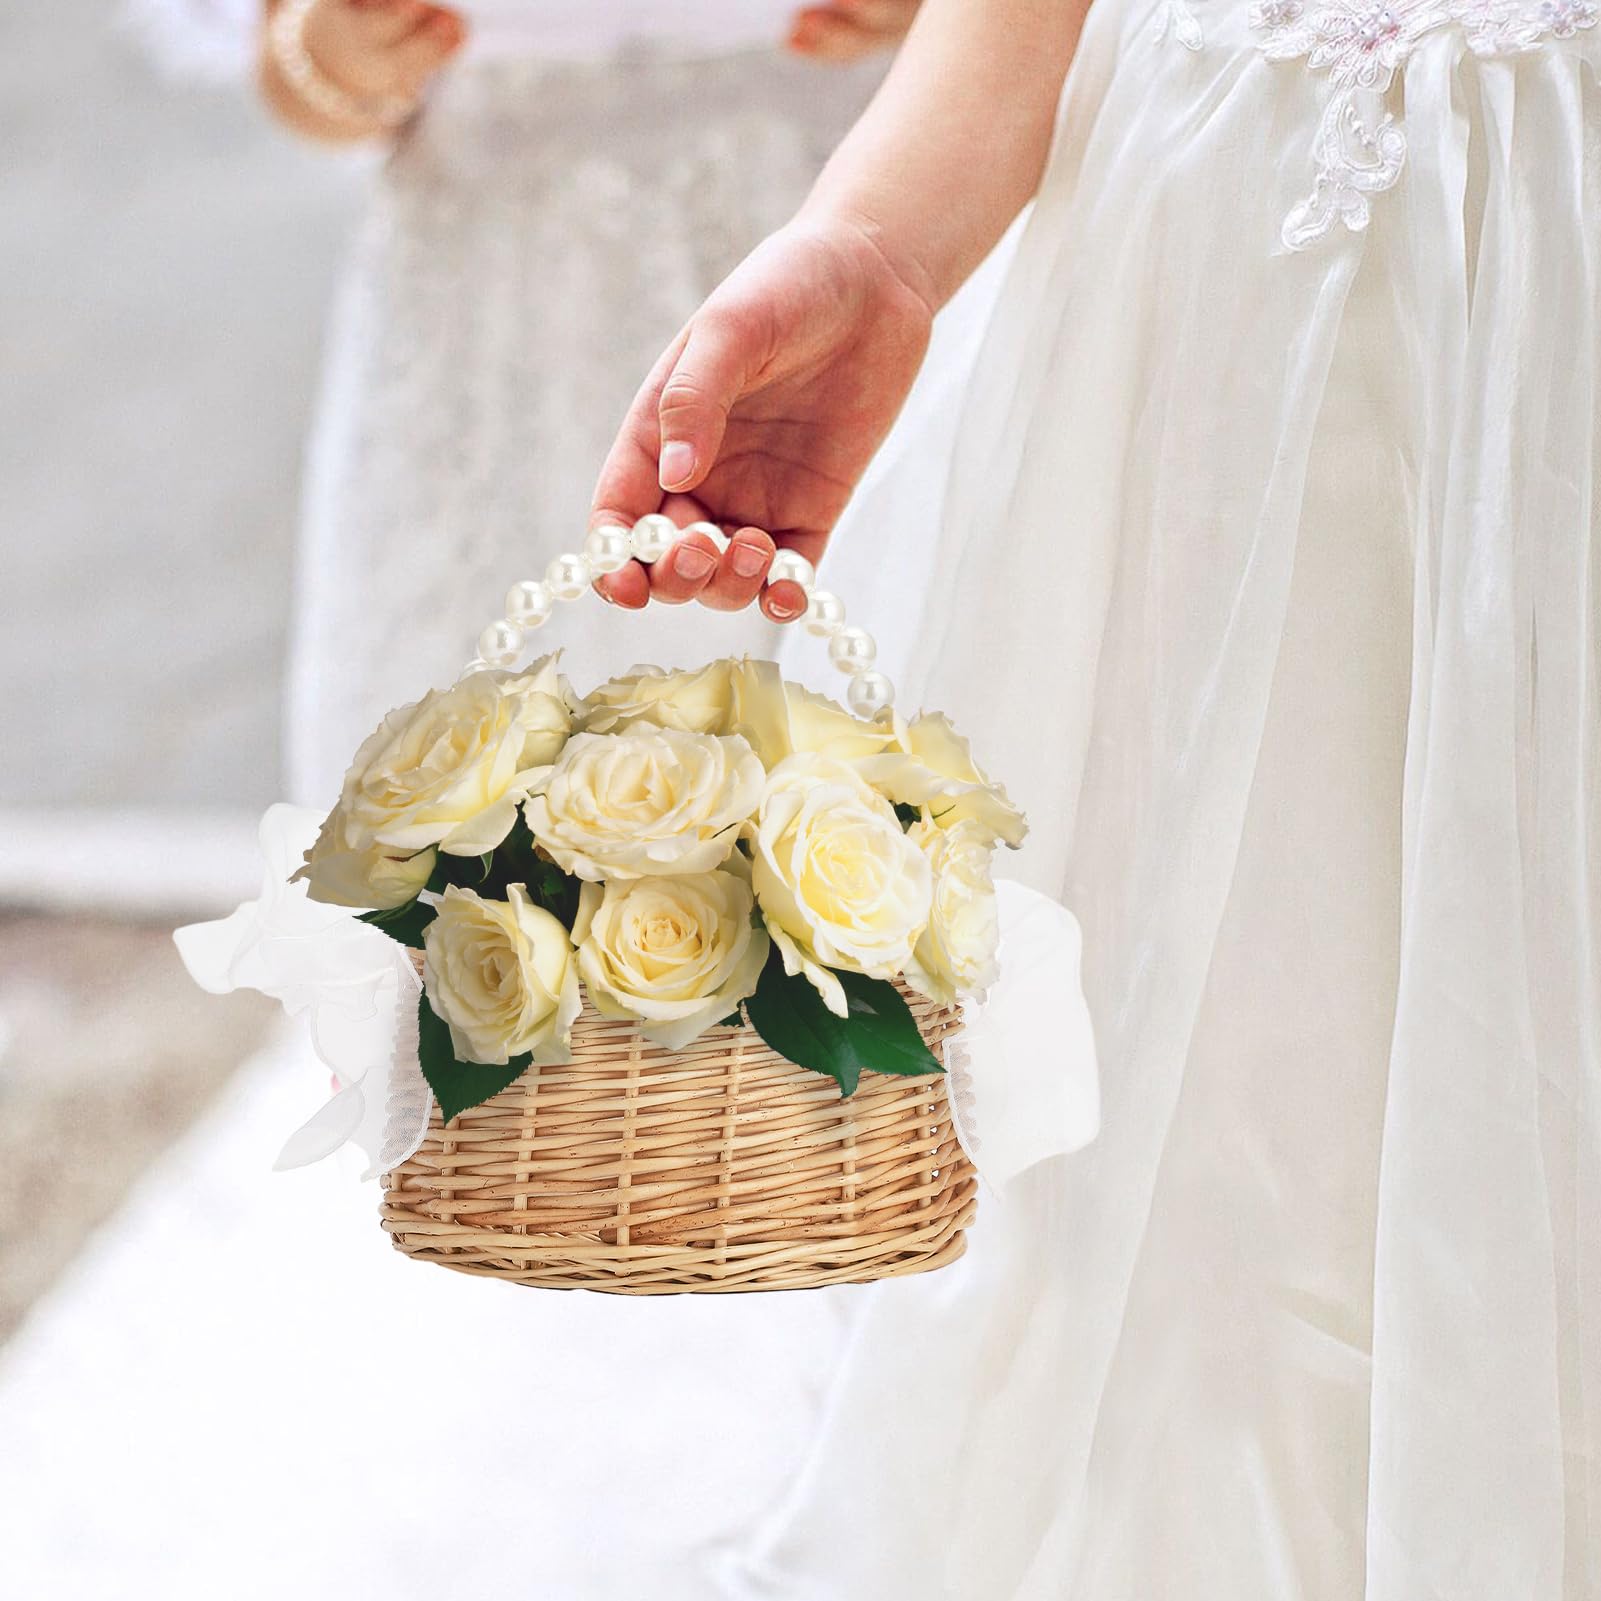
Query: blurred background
(168,261)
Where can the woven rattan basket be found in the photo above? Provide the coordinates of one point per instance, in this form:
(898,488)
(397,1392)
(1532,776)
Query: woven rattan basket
(721,1167)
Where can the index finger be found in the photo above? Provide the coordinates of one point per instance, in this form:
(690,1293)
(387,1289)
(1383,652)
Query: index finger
(629,486)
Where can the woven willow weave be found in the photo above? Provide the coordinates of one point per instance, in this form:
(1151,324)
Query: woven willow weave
(717,1168)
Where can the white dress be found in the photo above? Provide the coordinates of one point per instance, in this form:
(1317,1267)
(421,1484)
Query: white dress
(1265,537)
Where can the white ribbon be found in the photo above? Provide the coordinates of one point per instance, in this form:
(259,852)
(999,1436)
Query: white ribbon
(1022,1075)
(1024,1084)
(354,985)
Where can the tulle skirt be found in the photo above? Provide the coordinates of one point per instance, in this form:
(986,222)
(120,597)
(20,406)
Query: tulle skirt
(1272,580)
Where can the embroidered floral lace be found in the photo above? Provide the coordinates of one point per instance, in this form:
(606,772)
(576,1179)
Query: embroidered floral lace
(1360,147)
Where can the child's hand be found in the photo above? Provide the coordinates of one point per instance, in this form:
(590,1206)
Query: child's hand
(845,30)
(765,411)
(379,49)
(371,52)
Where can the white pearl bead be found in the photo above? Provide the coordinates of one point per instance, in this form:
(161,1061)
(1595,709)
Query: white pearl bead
(711,531)
(653,537)
(607,548)
(476,665)
(825,614)
(529,603)
(792,567)
(869,694)
(568,576)
(501,643)
(852,650)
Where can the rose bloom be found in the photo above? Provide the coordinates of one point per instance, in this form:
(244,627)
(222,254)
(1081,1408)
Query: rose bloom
(840,884)
(679,954)
(370,877)
(502,976)
(956,955)
(932,767)
(645,801)
(825,728)
(733,696)
(452,769)
(782,719)
(694,702)
(740,696)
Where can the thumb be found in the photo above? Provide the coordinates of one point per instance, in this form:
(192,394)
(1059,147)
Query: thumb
(706,380)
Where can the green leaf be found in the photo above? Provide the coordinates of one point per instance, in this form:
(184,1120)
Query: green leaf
(403,924)
(521,862)
(468,872)
(517,851)
(908,814)
(556,891)
(457,1085)
(516,860)
(879,1035)
(883,1026)
(733,1020)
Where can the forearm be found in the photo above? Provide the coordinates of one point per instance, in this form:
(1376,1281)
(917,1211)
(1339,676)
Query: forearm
(953,145)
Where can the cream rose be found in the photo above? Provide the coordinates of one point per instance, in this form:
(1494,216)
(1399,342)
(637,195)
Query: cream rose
(452,769)
(934,768)
(956,956)
(645,801)
(823,727)
(679,954)
(371,877)
(741,696)
(696,702)
(502,975)
(757,708)
(727,697)
(839,882)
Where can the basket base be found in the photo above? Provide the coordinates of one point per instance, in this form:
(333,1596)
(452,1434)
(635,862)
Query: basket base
(558,1262)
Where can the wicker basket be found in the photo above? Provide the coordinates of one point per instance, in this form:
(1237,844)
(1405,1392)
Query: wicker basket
(721,1167)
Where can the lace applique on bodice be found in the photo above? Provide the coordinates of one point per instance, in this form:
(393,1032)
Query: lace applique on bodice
(1360,148)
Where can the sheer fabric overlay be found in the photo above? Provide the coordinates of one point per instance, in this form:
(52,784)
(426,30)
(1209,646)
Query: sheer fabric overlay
(1305,546)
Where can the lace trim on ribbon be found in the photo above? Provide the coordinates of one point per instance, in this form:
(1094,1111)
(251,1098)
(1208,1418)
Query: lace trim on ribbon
(408,1100)
(961,1091)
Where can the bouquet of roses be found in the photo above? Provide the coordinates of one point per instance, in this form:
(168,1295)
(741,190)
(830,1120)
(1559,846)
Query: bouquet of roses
(687,847)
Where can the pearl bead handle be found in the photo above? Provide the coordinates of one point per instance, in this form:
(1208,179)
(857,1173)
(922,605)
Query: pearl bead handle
(531,602)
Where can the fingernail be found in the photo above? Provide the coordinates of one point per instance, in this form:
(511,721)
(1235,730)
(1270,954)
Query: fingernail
(784,611)
(749,561)
(692,564)
(677,464)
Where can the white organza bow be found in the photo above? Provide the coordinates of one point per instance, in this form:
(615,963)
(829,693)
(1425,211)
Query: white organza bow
(1023,1076)
(355,986)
